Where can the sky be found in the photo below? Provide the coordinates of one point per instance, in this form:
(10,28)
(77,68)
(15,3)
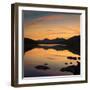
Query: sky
(39,25)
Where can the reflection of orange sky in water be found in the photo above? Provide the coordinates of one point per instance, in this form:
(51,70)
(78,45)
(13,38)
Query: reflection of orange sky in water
(49,52)
(47,27)
(55,58)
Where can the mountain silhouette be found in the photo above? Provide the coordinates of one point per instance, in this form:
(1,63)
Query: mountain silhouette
(74,41)
(53,41)
(72,44)
(29,44)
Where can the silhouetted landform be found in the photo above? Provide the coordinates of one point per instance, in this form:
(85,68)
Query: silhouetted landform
(53,41)
(75,69)
(29,44)
(73,58)
(74,41)
(79,58)
(70,62)
(72,44)
(66,63)
(42,67)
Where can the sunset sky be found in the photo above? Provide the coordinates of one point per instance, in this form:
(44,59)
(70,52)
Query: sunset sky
(39,25)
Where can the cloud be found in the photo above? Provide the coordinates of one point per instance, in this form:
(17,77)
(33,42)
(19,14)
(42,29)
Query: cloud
(51,17)
(46,19)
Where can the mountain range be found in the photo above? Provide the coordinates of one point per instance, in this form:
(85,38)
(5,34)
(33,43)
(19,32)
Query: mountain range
(72,44)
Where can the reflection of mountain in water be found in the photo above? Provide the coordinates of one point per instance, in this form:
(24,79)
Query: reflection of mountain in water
(72,44)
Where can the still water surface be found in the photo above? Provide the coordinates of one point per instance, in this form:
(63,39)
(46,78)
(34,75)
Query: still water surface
(53,60)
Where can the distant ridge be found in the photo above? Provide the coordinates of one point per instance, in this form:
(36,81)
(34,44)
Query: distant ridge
(72,44)
(53,41)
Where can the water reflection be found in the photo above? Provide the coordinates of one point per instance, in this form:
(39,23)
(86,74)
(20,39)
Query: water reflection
(47,61)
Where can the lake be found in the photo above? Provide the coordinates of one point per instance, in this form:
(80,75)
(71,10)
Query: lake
(49,62)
